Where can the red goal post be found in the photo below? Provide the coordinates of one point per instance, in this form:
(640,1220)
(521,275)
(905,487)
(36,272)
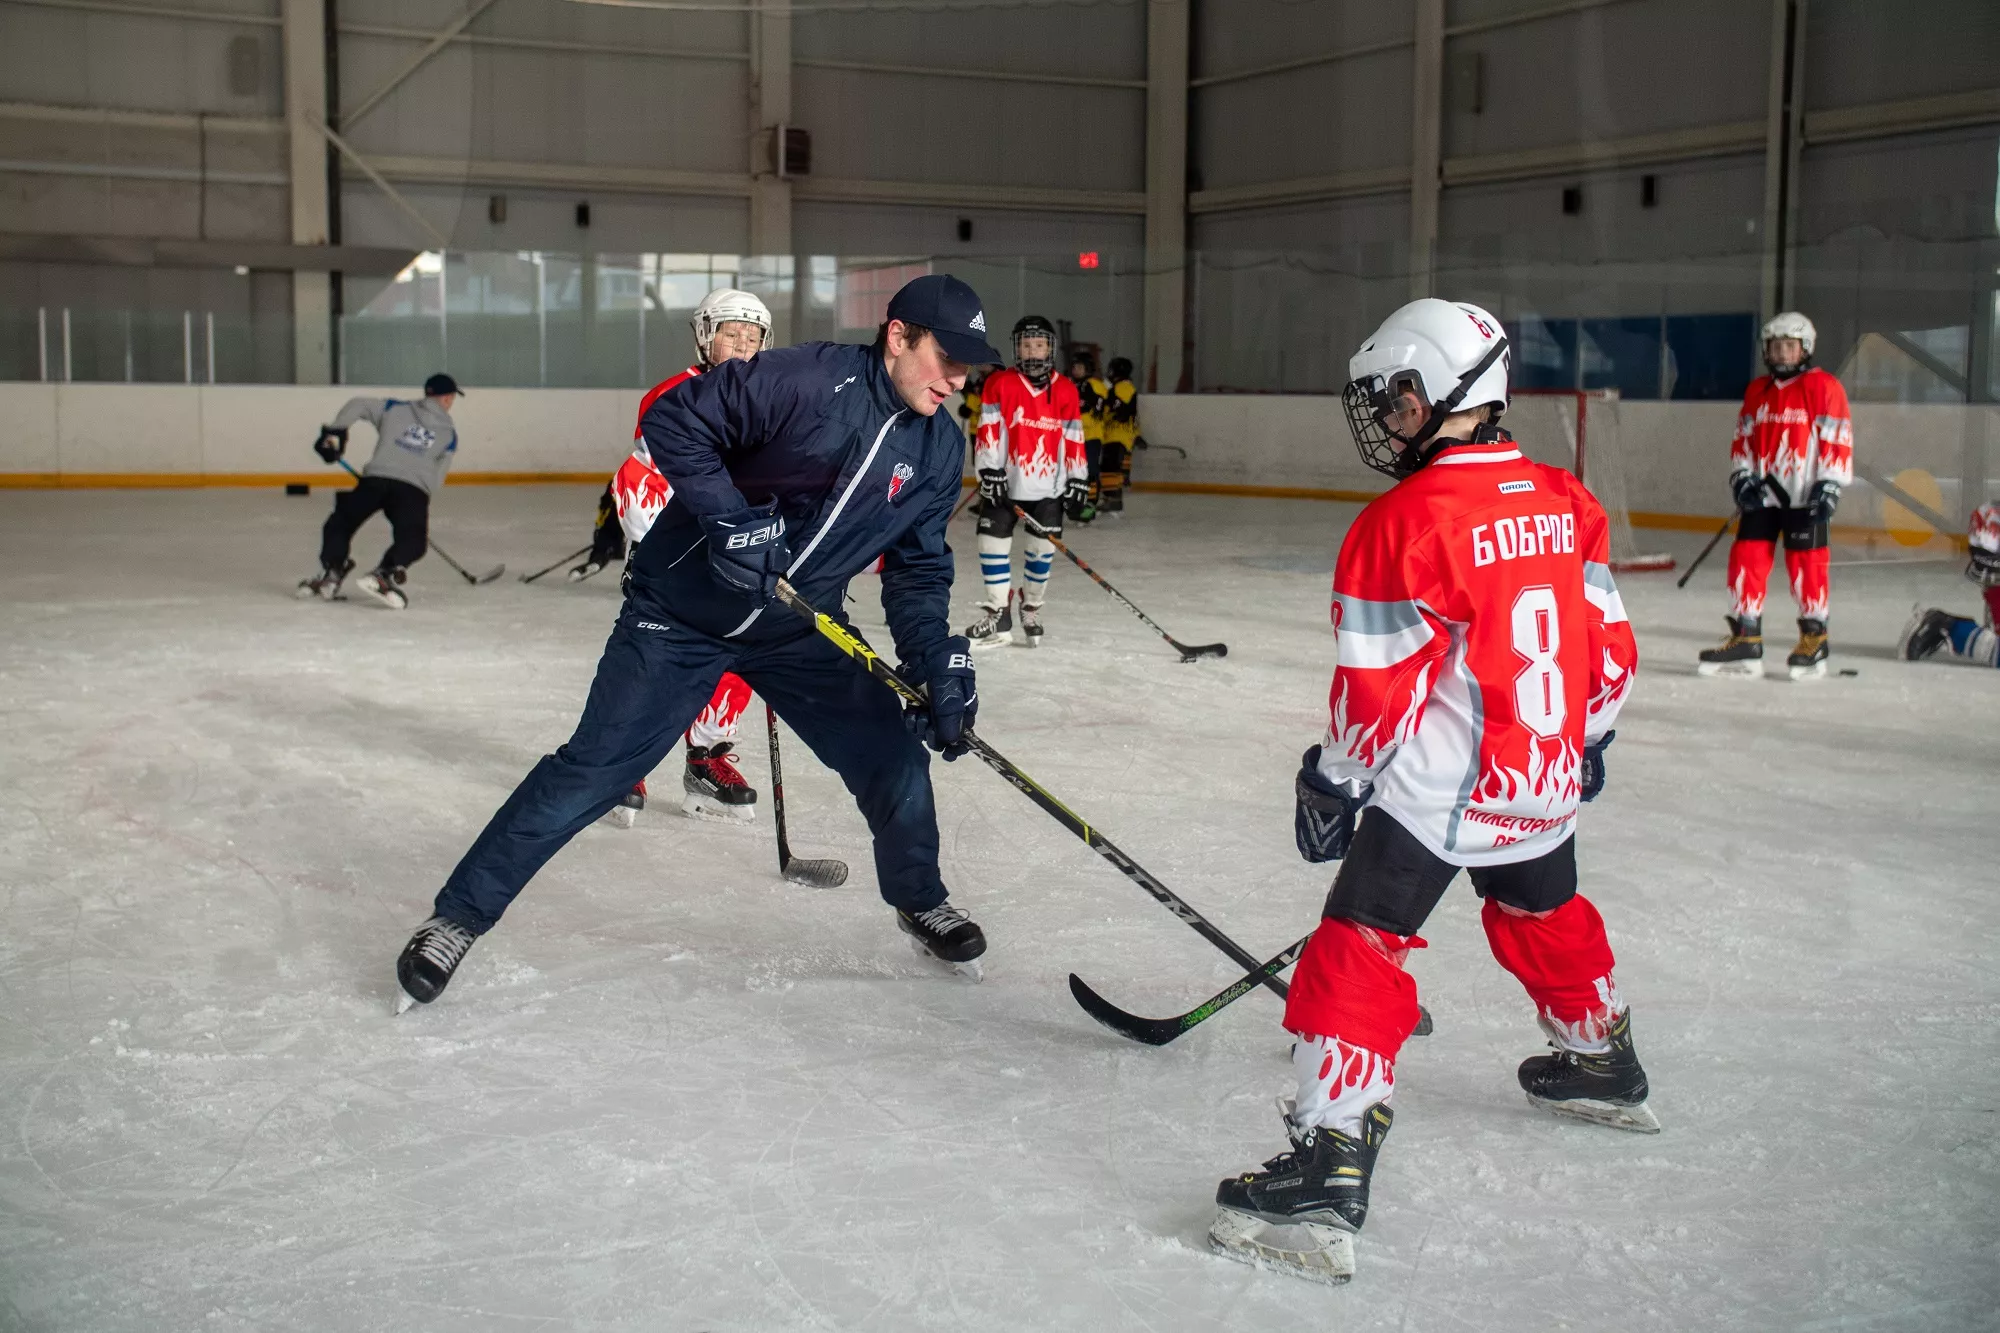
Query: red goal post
(1578,429)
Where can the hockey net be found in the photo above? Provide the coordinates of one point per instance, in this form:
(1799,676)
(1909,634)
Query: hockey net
(1578,429)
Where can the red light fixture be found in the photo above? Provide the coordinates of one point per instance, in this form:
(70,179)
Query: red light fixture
(1087,259)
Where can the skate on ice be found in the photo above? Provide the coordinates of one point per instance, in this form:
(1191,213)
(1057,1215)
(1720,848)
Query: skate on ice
(713,788)
(626,813)
(386,587)
(585,570)
(1605,1088)
(993,629)
(1741,655)
(1807,661)
(948,935)
(325,586)
(1031,620)
(427,962)
(1300,1212)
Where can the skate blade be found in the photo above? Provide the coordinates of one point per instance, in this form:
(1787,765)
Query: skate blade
(997,641)
(1638,1119)
(404,1001)
(620,816)
(1730,670)
(969,969)
(393,601)
(1318,1254)
(700,807)
(1817,671)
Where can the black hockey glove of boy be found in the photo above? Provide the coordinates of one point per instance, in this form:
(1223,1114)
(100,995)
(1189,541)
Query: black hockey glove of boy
(952,697)
(1323,825)
(1824,500)
(331,445)
(747,550)
(1076,496)
(1749,492)
(993,487)
(1592,777)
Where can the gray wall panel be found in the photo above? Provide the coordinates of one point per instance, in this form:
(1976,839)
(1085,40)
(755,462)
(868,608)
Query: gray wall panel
(546,220)
(147,64)
(1860,51)
(1348,116)
(1233,35)
(864,229)
(1105,40)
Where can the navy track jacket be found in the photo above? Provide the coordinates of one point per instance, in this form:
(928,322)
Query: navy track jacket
(820,430)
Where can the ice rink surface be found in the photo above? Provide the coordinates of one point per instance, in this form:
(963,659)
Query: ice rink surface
(671,1091)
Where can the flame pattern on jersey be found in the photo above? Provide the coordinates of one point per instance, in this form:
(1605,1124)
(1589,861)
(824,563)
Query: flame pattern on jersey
(638,488)
(1037,437)
(1796,432)
(717,722)
(1482,643)
(1984,529)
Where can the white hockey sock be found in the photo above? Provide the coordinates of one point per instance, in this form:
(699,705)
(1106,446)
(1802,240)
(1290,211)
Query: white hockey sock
(1037,555)
(1338,1082)
(996,561)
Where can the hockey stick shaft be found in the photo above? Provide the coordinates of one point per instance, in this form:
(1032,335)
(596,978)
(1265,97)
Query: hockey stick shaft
(825,874)
(1720,533)
(530,578)
(1218,649)
(846,641)
(442,553)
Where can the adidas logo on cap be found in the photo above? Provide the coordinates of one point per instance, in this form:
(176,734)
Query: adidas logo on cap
(978,324)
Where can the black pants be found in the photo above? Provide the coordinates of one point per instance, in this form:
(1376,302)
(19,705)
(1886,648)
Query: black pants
(998,520)
(607,539)
(1392,882)
(1801,531)
(407,507)
(1115,466)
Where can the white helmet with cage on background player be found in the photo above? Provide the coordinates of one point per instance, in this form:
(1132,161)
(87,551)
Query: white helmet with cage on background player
(1447,355)
(1038,369)
(727,305)
(1790,324)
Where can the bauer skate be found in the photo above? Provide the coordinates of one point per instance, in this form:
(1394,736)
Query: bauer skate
(1928,632)
(712,787)
(947,934)
(1741,655)
(427,962)
(386,586)
(325,585)
(1031,622)
(626,813)
(1315,1197)
(1808,660)
(1608,1088)
(993,629)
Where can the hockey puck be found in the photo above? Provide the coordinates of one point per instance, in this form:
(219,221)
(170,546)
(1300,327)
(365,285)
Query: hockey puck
(1849,671)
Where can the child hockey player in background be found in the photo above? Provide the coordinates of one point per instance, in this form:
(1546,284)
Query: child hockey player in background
(1121,432)
(415,442)
(1029,453)
(1483,656)
(1933,631)
(1792,454)
(1091,395)
(729,325)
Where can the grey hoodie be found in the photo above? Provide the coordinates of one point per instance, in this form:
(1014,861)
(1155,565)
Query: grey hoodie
(414,440)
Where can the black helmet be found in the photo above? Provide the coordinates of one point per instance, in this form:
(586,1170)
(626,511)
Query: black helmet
(1121,368)
(1037,369)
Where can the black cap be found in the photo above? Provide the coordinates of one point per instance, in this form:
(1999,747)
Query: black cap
(440,384)
(951,311)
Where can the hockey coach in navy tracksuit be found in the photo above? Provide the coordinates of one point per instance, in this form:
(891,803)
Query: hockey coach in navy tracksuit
(805,463)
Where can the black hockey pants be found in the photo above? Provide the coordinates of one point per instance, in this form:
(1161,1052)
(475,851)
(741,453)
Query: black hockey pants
(407,507)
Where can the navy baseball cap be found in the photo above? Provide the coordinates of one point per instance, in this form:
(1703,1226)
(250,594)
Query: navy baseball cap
(437,386)
(951,311)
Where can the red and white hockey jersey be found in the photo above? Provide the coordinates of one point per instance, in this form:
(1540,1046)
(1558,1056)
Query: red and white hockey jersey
(1983,530)
(1796,432)
(638,488)
(1482,644)
(1037,437)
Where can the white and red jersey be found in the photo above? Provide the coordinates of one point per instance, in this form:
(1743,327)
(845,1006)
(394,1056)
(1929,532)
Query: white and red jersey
(638,488)
(1482,644)
(1036,436)
(1983,531)
(1796,432)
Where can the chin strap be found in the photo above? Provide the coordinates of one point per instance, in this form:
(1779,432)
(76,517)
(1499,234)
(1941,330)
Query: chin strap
(1449,404)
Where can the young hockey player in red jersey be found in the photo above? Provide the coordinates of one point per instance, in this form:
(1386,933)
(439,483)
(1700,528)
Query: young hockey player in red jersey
(729,325)
(1792,454)
(1483,656)
(1029,452)
(1932,631)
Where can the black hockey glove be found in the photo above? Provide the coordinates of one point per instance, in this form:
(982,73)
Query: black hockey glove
(1983,567)
(953,698)
(993,487)
(1592,777)
(1749,492)
(1323,825)
(331,445)
(1076,496)
(747,551)
(1824,500)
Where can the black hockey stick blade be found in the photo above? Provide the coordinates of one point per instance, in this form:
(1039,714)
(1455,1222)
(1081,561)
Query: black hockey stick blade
(820,874)
(1195,652)
(490,575)
(530,578)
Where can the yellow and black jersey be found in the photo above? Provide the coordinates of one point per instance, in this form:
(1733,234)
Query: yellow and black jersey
(1092,396)
(1121,413)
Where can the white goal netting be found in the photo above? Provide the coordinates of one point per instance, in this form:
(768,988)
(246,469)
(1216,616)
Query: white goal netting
(1579,430)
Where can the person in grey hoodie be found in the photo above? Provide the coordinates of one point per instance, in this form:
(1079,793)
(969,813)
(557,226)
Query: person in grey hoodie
(414,445)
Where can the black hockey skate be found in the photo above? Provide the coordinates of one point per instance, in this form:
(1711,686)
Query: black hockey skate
(1320,1188)
(994,628)
(585,570)
(1808,660)
(326,585)
(713,788)
(425,966)
(1741,654)
(1926,635)
(947,934)
(626,813)
(1031,622)
(1608,1089)
(385,585)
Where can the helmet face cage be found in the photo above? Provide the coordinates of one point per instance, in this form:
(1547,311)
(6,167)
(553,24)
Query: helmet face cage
(1038,369)
(1371,404)
(1793,325)
(728,306)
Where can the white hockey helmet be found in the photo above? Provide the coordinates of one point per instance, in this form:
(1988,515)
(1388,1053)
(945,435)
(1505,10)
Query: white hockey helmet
(727,305)
(1450,355)
(1790,324)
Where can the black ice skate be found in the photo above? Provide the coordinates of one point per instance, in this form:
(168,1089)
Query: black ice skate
(585,570)
(326,585)
(713,788)
(947,934)
(1608,1089)
(994,628)
(425,966)
(385,585)
(626,812)
(1926,634)
(1741,654)
(1808,660)
(1031,622)
(1318,1190)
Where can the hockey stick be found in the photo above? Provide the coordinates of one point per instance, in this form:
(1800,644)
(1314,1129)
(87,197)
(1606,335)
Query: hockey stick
(817,874)
(1188,654)
(530,578)
(971,494)
(848,643)
(1143,443)
(1720,533)
(443,555)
